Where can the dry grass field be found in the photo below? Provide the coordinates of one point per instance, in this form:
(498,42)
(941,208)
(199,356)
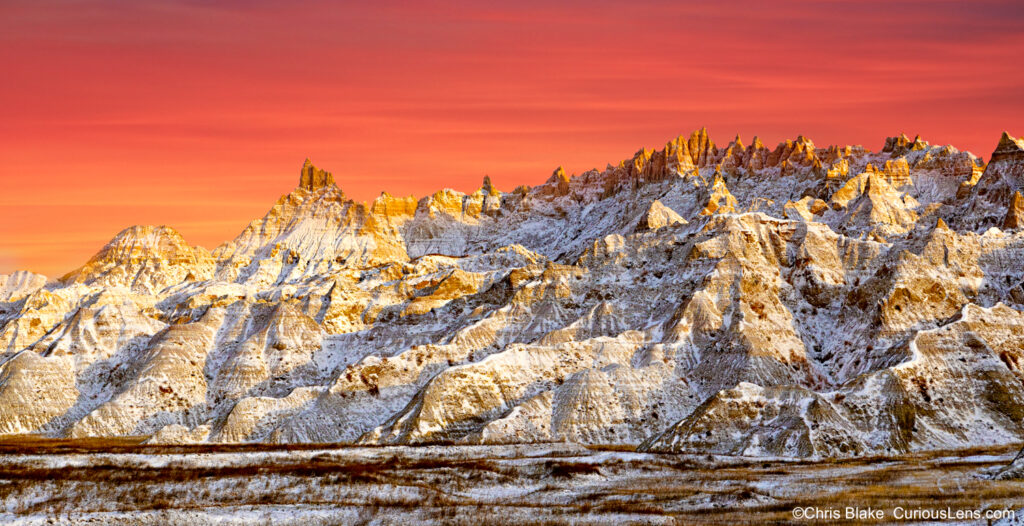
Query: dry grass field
(126,482)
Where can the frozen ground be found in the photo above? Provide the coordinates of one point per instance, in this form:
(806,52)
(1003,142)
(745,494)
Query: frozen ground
(119,483)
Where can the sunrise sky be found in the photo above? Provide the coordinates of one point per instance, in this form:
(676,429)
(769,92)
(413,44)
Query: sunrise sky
(198,114)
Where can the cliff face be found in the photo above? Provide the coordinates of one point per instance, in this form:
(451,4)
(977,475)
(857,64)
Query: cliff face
(796,301)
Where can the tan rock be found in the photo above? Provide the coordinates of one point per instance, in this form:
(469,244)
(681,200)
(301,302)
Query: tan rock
(1015,212)
(312,178)
(658,216)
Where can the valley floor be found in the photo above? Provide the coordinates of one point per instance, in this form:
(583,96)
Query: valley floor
(121,482)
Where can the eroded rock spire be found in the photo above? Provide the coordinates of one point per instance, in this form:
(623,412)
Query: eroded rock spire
(313,178)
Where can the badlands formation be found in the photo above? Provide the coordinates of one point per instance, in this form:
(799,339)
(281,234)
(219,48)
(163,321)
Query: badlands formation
(793,301)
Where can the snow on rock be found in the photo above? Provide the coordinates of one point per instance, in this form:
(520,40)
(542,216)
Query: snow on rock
(796,301)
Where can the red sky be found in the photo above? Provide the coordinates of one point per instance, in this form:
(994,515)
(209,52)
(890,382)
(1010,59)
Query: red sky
(198,114)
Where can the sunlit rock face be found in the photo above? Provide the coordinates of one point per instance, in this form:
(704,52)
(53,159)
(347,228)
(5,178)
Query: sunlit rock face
(145,259)
(797,301)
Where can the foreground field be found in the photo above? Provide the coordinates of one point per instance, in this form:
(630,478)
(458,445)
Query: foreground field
(121,482)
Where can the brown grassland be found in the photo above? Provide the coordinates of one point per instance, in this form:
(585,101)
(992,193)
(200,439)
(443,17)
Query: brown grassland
(125,481)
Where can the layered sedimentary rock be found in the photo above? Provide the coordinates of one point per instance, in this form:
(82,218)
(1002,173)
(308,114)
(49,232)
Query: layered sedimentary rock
(962,386)
(738,299)
(145,259)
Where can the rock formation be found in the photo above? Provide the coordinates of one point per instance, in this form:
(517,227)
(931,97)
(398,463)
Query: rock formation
(312,178)
(796,301)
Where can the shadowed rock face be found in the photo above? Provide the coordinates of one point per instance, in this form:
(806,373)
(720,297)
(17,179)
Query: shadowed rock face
(795,301)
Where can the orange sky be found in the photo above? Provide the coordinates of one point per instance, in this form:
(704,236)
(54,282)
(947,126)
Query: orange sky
(198,114)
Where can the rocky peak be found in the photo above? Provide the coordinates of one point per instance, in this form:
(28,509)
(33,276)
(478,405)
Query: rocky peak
(313,178)
(487,186)
(701,147)
(558,183)
(1006,165)
(1009,148)
(558,176)
(989,197)
(145,258)
(897,146)
(800,152)
(20,284)
(894,145)
(145,240)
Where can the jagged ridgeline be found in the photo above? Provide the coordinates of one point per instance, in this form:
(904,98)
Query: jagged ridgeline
(795,301)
